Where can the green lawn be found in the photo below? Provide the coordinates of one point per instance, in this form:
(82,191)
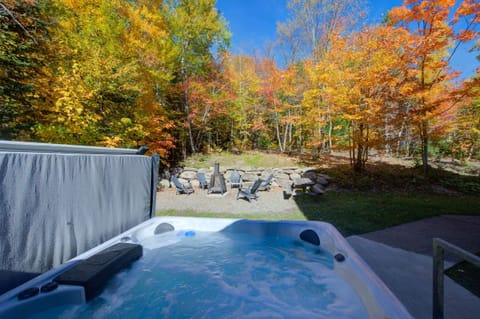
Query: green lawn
(246,159)
(388,193)
(360,212)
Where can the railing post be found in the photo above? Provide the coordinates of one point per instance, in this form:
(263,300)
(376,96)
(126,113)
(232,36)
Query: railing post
(439,248)
(438,284)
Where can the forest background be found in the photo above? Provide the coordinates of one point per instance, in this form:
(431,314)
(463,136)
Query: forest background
(159,73)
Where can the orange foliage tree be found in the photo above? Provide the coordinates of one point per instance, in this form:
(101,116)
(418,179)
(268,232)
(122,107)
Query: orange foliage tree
(355,85)
(433,29)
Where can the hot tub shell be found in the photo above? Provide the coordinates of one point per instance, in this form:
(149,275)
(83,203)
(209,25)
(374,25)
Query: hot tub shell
(378,300)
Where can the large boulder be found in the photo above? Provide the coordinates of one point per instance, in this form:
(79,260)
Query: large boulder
(189,175)
(164,183)
(311,175)
(294,176)
(322,180)
(318,189)
(248,177)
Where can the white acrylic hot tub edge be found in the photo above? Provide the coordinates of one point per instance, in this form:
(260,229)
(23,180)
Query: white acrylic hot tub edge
(377,298)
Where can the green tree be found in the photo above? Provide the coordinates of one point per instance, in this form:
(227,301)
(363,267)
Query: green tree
(196,29)
(22,50)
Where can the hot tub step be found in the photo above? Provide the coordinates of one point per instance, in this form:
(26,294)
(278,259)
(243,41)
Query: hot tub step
(93,272)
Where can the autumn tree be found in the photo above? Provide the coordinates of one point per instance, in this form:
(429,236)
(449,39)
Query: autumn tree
(22,49)
(463,141)
(196,29)
(311,23)
(434,32)
(210,102)
(241,71)
(358,80)
(92,79)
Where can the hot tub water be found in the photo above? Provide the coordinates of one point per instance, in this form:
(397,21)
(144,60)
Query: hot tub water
(223,275)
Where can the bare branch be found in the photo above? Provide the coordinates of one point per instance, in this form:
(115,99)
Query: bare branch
(18,22)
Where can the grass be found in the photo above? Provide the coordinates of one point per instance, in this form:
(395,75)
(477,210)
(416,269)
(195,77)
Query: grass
(389,192)
(355,213)
(248,159)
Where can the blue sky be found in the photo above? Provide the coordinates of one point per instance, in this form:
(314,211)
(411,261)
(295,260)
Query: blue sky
(253,23)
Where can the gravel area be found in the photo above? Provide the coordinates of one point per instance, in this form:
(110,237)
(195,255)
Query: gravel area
(268,202)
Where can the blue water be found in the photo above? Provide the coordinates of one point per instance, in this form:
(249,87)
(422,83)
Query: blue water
(215,275)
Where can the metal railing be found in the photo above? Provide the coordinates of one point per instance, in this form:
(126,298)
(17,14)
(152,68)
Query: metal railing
(439,248)
(64,148)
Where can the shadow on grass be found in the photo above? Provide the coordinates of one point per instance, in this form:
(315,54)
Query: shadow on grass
(355,213)
(384,177)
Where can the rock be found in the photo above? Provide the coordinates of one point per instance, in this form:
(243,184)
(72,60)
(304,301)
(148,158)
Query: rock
(311,175)
(281,176)
(164,183)
(289,171)
(165,174)
(248,177)
(189,175)
(328,178)
(283,182)
(266,173)
(294,176)
(228,175)
(190,169)
(318,189)
(205,171)
(322,180)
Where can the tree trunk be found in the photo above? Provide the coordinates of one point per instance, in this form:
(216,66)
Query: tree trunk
(424,137)
(184,148)
(330,129)
(277,128)
(189,124)
(285,137)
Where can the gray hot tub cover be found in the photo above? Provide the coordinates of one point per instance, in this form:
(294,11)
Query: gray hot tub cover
(54,206)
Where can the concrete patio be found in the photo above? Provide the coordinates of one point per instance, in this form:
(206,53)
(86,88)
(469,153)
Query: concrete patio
(401,257)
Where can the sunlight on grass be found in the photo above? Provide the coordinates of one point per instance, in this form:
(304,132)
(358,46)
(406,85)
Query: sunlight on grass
(246,159)
(362,212)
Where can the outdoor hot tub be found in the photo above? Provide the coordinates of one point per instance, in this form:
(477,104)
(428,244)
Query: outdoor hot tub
(176,267)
